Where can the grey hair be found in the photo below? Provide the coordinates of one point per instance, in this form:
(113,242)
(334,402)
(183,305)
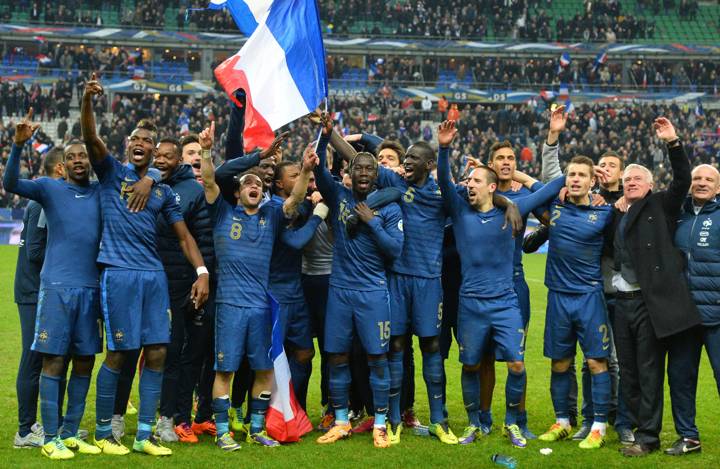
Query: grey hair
(707,166)
(648,173)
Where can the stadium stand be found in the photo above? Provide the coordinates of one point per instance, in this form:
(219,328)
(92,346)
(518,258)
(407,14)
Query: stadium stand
(561,20)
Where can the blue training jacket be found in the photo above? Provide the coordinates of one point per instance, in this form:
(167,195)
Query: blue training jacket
(698,237)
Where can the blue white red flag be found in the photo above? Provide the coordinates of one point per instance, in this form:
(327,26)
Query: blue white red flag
(286,420)
(565,59)
(600,59)
(281,67)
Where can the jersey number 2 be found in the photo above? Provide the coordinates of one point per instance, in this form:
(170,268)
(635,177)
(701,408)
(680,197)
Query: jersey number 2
(555,216)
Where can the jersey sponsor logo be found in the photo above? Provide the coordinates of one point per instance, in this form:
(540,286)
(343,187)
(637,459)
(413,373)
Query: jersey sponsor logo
(177,198)
(128,179)
(400,225)
(485,221)
(78,196)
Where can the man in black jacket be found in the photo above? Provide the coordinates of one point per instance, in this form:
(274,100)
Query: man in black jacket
(653,300)
(192,330)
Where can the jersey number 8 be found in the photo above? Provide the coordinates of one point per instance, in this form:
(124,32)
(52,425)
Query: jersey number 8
(235,231)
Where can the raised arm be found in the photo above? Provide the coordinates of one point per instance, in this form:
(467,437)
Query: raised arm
(11,179)
(234,144)
(446,134)
(342,147)
(550,152)
(526,180)
(207,167)
(541,197)
(678,188)
(310,161)
(325,182)
(97,151)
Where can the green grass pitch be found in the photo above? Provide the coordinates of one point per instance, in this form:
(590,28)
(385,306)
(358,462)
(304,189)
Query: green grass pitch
(413,451)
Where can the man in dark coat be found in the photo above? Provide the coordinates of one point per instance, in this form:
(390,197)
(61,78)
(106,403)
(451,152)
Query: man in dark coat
(192,330)
(653,303)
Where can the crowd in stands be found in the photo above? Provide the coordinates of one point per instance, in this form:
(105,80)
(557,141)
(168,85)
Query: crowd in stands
(593,130)
(530,20)
(494,72)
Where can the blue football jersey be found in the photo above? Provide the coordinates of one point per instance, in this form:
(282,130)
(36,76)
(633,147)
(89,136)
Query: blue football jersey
(72,214)
(486,249)
(358,262)
(423,225)
(243,249)
(286,262)
(129,239)
(577,236)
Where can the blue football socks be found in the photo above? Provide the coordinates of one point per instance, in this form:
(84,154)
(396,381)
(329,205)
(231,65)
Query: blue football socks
(150,390)
(49,405)
(107,381)
(77,394)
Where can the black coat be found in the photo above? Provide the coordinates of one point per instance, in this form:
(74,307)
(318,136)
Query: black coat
(658,264)
(191,198)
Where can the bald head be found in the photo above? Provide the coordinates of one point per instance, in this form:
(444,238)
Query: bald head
(705,183)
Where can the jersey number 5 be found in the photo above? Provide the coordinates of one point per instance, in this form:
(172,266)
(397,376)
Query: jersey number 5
(409,195)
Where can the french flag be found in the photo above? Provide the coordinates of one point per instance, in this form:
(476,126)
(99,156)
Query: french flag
(564,62)
(285,420)
(40,147)
(281,67)
(43,59)
(600,59)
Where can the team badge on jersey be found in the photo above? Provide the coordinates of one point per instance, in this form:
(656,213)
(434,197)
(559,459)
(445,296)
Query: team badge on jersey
(43,336)
(705,233)
(119,336)
(220,357)
(593,217)
(158,193)
(177,198)
(262,222)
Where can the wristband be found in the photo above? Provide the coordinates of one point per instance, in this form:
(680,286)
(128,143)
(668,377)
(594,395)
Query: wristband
(202,270)
(205,154)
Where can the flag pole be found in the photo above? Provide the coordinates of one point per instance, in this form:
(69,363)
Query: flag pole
(317,140)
